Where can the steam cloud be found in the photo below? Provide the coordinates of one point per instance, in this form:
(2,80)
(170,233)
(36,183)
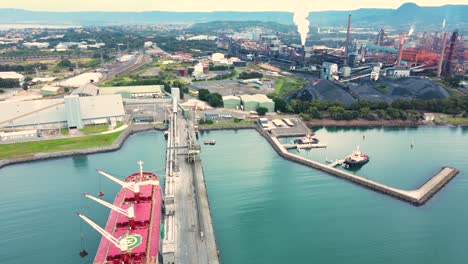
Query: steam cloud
(411,30)
(300,19)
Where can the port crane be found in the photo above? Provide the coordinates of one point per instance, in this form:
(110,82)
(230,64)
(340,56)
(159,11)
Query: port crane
(129,213)
(121,243)
(132,186)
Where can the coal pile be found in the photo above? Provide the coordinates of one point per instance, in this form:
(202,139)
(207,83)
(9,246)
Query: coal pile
(389,89)
(323,90)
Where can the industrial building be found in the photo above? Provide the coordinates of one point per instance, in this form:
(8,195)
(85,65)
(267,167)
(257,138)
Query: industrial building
(88,89)
(71,112)
(49,90)
(252,102)
(12,75)
(155,91)
(18,135)
(231,102)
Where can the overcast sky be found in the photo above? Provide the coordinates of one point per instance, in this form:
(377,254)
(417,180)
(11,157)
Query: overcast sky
(210,5)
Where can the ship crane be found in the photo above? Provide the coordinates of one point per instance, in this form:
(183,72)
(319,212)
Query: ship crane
(129,213)
(121,243)
(132,186)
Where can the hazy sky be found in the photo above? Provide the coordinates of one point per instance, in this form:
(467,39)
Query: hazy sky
(209,5)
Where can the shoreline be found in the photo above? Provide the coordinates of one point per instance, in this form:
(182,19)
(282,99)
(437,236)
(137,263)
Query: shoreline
(375,123)
(118,143)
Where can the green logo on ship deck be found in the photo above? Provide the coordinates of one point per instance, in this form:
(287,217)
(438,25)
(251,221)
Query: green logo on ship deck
(133,241)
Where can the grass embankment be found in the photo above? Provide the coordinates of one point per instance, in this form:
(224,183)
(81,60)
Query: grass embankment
(283,85)
(94,129)
(28,148)
(455,120)
(228,123)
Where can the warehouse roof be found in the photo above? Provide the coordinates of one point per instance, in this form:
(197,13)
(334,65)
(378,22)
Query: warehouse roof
(132,89)
(231,97)
(50,88)
(23,113)
(11,75)
(261,98)
(89,89)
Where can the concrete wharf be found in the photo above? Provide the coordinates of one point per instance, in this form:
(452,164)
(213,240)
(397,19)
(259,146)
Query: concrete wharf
(189,234)
(416,197)
(304,146)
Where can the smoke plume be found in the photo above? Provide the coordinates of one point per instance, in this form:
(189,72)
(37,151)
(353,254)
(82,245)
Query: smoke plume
(300,19)
(411,30)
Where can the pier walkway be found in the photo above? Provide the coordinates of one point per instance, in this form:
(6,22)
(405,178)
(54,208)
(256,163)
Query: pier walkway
(304,146)
(189,234)
(416,197)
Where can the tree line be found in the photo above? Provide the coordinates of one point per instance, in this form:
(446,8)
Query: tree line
(398,109)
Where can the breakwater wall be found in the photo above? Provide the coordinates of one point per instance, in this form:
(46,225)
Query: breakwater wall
(416,197)
(116,145)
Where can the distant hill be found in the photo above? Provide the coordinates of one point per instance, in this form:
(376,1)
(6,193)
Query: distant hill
(409,13)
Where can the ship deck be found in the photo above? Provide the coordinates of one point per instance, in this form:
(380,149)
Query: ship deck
(143,240)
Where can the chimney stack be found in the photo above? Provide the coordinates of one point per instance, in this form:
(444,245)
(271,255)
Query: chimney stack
(400,53)
(347,39)
(442,53)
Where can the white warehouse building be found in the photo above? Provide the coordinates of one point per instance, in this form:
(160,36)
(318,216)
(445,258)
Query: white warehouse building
(71,112)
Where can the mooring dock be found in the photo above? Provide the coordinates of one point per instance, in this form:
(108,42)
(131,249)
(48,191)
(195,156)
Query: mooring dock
(416,197)
(189,234)
(304,146)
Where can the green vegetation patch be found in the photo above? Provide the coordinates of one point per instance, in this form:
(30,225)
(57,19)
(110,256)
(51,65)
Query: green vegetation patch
(29,148)
(381,88)
(283,85)
(455,120)
(94,129)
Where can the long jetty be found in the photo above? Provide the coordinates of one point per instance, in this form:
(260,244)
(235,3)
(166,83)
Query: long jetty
(416,197)
(189,234)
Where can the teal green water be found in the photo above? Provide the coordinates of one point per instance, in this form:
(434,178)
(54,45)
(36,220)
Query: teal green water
(265,209)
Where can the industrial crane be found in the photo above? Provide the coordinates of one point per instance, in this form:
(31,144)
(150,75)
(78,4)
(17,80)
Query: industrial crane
(132,186)
(129,213)
(121,243)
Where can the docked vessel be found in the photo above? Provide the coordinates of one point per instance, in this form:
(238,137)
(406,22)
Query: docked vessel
(132,231)
(306,140)
(210,142)
(356,159)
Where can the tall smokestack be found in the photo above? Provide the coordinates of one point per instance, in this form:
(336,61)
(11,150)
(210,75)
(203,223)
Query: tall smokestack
(303,56)
(451,55)
(400,53)
(442,53)
(347,40)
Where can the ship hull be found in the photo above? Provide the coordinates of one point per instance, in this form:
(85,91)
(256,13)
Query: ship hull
(355,164)
(144,238)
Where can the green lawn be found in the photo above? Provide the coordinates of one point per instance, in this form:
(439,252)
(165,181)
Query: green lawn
(283,85)
(28,148)
(64,131)
(455,120)
(94,129)
(119,124)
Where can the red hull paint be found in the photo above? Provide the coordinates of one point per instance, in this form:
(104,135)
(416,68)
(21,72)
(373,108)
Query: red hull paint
(147,219)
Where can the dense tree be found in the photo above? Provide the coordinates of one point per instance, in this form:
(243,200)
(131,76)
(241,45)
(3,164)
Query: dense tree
(215,100)
(262,110)
(64,63)
(204,94)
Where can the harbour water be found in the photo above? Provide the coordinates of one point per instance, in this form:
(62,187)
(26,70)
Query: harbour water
(265,209)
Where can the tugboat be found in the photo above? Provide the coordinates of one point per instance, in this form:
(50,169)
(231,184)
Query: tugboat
(210,142)
(306,140)
(356,159)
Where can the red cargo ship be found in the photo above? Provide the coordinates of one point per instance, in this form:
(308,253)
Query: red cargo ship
(132,230)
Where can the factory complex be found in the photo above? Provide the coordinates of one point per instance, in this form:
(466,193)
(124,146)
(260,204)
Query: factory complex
(72,112)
